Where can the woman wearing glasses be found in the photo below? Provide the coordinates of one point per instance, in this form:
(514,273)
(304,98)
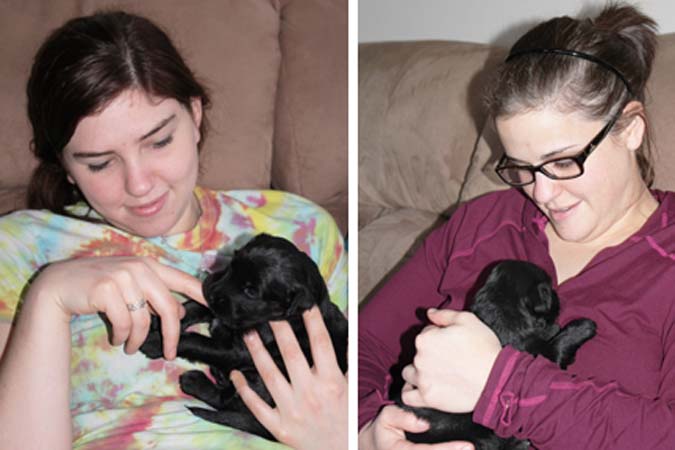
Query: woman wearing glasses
(569,108)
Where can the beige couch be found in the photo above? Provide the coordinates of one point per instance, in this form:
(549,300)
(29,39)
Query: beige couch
(276,69)
(425,143)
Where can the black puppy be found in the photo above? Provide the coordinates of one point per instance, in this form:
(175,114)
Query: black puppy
(519,304)
(268,279)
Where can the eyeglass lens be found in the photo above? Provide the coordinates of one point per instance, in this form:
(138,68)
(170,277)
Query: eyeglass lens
(557,169)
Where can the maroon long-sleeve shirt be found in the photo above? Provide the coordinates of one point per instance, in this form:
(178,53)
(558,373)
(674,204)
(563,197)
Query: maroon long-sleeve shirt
(619,393)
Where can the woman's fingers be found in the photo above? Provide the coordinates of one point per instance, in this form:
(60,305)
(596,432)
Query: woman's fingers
(274,380)
(265,414)
(143,285)
(410,395)
(444,317)
(158,293)
(409,375)
(320,342)
(294,358)
(106,300)
(178,281)
(139,331)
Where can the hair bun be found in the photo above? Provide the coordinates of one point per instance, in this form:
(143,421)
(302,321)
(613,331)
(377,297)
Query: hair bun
(636,30)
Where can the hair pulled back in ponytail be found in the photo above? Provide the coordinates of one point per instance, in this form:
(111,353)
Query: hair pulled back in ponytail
(620,36)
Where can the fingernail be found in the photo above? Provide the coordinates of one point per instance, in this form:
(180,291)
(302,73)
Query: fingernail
(423,423)
(249,335)
(432,310)
(235,378)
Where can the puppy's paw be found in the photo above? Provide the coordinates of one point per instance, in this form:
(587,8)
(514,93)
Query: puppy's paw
(581,329)
(570,339)
(153,345)
(195,383)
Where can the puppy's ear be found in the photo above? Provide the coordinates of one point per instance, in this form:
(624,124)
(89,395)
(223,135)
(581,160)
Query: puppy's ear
(301,299)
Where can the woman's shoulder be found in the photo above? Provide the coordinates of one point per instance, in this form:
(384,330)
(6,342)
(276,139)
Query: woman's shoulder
(507,197)
(495,208)
(258,198)
(22,221)
(275,204)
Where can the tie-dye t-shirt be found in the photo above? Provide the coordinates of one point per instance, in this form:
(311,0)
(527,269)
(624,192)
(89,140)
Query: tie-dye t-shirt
(124,401)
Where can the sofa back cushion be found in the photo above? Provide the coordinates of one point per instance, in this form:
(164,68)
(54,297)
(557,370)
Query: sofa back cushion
(310,140)
(419,119)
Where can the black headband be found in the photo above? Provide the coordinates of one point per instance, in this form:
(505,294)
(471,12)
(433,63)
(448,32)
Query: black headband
(576,54)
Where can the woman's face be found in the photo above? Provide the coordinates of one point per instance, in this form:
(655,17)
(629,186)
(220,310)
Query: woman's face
(595,205)
(136,162)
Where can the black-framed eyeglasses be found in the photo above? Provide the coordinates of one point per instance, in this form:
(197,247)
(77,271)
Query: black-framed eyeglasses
(556,169)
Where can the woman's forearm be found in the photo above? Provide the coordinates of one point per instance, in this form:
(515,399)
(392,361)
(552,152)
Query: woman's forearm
(531,398)
(34,378)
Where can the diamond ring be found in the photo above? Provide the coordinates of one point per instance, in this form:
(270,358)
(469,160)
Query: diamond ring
(136,306)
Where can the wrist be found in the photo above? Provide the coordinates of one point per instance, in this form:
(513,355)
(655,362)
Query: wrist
(366,437)
(41,300)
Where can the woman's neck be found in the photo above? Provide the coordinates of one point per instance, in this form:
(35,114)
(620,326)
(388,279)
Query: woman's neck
(571,257)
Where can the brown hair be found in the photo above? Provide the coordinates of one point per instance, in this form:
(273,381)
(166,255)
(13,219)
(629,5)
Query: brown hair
(620,36)
(80,69)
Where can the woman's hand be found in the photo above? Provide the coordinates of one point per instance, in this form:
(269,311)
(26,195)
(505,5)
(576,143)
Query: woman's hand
(387,432)
(126,290)
(311,410)
(452,364)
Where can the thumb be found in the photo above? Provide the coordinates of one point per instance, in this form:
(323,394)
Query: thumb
(407,421)
(443,317)
(454,445)
(400,419)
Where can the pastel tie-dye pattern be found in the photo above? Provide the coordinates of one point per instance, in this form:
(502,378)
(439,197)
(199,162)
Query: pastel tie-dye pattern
(128,401)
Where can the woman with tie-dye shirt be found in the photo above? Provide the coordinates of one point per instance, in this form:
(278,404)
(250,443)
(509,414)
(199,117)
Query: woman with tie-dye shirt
(118,229)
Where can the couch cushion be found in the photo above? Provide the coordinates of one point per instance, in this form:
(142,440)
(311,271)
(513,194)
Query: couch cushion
(20,40)
(659,103)
(661,110)
(232,45)
(385,242)
(310,155)
(419,117)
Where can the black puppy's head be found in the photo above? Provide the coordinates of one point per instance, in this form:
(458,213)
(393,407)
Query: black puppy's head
(267,279)
(518,302)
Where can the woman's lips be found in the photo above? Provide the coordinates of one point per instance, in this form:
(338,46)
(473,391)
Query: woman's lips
(560,214)
(149,209)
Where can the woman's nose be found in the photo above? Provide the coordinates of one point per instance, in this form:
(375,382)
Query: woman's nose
(544,189)
(138,180)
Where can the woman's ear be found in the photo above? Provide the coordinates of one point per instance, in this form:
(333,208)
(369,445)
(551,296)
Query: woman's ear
(196,110)
(633,134)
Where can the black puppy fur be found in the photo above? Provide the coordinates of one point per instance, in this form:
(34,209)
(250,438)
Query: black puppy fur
(519,304)
(268,279)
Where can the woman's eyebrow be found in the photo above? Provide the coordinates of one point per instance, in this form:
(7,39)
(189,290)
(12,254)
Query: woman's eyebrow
(544,157)
(159,126)
(156,129)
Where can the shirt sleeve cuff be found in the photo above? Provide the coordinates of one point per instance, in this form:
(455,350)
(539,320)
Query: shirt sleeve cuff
(487,411)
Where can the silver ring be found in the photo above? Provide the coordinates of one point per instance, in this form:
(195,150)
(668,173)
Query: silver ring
(136,306)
